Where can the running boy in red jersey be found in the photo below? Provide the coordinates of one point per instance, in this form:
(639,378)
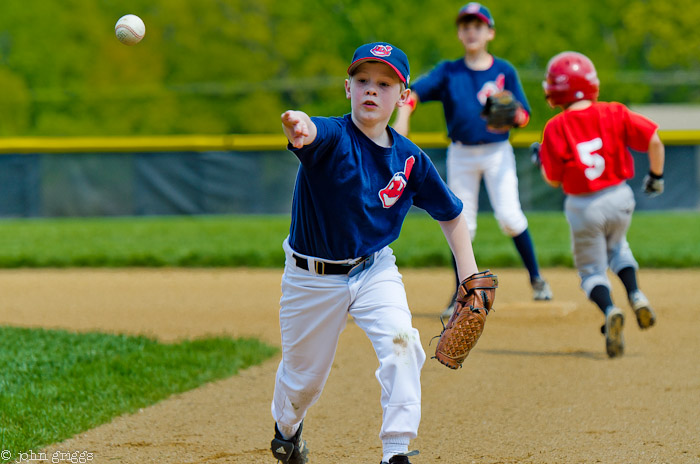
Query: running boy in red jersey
(585,151)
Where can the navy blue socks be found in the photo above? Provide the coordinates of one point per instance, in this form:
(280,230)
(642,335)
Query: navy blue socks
(523,243)
(600,295)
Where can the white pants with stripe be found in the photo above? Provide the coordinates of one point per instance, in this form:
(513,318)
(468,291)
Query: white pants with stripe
(599,224)
(495,162)
(314,311)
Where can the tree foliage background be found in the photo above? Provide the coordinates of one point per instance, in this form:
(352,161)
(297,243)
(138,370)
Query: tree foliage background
(232,66)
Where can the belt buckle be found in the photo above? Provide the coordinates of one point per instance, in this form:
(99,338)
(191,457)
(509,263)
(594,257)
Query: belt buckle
(320,267)
(361,266)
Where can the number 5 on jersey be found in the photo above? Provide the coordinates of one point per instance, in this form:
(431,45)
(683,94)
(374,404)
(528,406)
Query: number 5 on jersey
(588,156)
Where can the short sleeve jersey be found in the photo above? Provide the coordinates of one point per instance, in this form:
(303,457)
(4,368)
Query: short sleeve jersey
(352,196)
(463,93)
(587,150)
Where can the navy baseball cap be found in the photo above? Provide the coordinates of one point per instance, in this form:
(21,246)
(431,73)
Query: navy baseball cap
(384,53)
(478,10)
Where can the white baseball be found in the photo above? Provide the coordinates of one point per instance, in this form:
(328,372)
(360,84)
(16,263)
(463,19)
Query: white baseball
(130,29)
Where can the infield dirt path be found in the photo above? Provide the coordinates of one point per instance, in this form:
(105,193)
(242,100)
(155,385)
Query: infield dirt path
(538,388)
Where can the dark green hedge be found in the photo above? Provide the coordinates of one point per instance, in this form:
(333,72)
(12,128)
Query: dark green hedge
(232,66)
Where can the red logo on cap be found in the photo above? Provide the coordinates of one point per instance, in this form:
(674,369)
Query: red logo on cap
(473,8)
(381,50)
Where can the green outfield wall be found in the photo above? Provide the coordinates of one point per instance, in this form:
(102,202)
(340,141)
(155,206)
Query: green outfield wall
(244,174)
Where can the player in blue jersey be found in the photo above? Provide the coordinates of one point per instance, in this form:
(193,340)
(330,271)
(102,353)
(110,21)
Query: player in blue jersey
(356,182)
(463,85)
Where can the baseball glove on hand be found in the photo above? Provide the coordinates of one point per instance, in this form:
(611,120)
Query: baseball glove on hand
(500,111)
(653,184)
(475,297)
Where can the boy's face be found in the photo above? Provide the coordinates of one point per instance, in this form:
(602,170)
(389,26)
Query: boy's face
(474,34)
(374,91)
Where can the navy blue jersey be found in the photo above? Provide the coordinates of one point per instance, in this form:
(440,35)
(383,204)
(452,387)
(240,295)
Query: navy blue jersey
(463,93)
(352,196)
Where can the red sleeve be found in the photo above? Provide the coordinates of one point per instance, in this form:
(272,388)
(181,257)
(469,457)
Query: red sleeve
(551,150)
(638,130)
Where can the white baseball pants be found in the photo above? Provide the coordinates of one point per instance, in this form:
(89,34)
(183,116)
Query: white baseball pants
(495,162)
(314,311)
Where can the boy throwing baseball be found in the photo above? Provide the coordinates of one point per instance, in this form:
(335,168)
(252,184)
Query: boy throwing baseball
(480,148)
(584,151)
(356,182)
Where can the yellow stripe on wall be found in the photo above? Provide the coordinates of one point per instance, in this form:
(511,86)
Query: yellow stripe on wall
(668,137)
(142,144)
(242,142)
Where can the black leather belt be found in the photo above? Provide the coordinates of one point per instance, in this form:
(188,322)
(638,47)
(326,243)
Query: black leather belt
(324,268)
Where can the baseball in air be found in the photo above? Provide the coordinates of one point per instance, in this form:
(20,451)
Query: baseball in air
(130,29)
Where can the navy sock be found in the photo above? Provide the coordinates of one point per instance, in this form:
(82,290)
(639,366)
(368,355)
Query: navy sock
(628,276)
(523,243)
(600,295)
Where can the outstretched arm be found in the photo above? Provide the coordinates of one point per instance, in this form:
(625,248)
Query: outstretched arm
(457,235)
(402,123)
(298,128)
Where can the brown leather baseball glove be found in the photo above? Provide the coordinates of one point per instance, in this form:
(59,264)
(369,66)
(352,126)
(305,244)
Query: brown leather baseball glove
(475,296)
(501,111)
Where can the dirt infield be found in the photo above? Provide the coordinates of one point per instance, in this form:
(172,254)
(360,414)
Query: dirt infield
(537,389)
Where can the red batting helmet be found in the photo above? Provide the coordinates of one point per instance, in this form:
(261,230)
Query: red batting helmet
(570,77)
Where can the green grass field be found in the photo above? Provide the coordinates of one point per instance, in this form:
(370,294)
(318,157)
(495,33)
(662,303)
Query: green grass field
(658,240)
(54,384)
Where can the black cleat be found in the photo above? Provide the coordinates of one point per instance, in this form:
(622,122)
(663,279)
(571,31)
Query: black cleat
(292,451)
(400,458)
(642,309)
(614,341)
(541,291)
